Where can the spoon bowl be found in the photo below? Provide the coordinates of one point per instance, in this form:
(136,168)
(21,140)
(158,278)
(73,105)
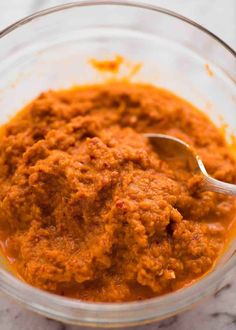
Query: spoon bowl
(184,151)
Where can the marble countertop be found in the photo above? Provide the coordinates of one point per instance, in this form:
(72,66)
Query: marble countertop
(217,312)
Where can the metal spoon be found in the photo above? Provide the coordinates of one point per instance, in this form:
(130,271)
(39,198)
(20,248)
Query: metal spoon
(182,149)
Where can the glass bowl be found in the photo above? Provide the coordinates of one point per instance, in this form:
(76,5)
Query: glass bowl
(52,48)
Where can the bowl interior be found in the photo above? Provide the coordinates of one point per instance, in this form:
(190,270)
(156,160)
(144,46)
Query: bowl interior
(53,51)
(46,54)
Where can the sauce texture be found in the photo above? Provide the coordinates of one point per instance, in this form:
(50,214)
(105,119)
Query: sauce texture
(88,209)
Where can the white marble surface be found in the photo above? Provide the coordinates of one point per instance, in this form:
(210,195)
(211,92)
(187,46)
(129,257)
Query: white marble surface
(219,311)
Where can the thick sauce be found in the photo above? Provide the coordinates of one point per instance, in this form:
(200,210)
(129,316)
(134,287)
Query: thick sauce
(88,208)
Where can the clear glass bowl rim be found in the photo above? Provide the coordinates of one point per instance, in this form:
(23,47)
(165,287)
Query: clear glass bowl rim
(177,301)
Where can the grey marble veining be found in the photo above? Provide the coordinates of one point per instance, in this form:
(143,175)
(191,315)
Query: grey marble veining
(215,313)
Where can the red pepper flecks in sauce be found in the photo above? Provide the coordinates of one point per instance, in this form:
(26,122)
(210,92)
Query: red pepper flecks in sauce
(88,209)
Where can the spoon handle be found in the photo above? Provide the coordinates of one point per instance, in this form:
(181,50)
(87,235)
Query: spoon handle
(212,184)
